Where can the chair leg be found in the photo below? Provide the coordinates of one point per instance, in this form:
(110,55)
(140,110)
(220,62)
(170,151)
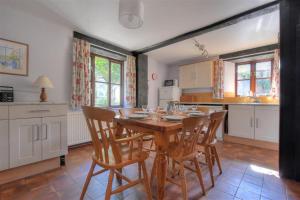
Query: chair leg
(109,184)
(153,171)
(88,179)
(173,168)
(140,170)
(146,181)
(207,152)
(199,174)
(218,159)
(152,141)
(183,181)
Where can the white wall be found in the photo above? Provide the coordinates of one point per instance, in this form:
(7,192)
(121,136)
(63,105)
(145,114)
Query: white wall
(229,77)
(161,70)
(50,50)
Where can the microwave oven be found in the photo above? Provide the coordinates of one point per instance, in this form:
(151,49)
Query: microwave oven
(6,94)
(172,82)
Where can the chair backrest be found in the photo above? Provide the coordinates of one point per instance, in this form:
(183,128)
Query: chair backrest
(99,122)
(127,111)
(215,121)
(192,128)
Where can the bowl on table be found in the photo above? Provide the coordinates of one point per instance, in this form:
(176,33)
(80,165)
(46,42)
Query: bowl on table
(141,112)
(196,113)
(137,116)
(174,117)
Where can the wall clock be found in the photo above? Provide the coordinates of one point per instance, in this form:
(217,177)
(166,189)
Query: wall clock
(154,76)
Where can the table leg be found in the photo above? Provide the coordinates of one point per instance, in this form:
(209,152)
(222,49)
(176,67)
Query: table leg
(161,173)
(119,133)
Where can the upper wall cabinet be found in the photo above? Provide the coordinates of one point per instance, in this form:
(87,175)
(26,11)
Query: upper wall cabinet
(198,75)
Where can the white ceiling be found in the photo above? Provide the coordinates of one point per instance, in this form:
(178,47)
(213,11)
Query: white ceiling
(164,19)
(247,34)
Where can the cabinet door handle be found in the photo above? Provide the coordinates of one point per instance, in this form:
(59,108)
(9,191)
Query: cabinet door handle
(251,122)
(256,122)
(35,134)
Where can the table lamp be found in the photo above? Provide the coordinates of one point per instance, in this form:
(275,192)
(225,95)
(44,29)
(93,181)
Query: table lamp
(43,82)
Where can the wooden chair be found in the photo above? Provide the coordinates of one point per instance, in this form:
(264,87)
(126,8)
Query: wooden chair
(108,153)
(185,150)
(203,109)
(146,137)
(207,144)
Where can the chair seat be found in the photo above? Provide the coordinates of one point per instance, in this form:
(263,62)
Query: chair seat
(136,155)
(148,137)
(177,154)
(201,147)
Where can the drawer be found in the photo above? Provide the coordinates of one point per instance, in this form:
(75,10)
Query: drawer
(24,111)
(3,112)
(33,111)
(54,110)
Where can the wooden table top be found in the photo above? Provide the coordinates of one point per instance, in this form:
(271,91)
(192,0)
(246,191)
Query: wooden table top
(160,126)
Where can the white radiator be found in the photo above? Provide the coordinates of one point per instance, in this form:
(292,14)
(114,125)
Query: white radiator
(77,129)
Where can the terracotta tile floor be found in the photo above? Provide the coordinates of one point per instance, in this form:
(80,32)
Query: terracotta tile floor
(248,173)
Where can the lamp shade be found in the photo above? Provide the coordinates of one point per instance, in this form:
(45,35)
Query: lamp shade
(43,82)
(131,13)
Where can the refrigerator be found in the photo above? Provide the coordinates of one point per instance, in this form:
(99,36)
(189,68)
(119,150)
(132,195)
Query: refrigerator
(167,94)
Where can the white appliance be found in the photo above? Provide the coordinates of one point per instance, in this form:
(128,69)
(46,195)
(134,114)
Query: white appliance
(170,93)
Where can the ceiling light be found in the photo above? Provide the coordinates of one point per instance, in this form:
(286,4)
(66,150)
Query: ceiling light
(131,13)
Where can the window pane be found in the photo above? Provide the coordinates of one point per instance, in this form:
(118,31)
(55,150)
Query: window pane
(243,88)
(101,94)
(243,71)
(115,95)
(115,73)
(263,87)
(263,69)
(101,69)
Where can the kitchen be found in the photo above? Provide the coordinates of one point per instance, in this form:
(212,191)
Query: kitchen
(249,78)
(135,99)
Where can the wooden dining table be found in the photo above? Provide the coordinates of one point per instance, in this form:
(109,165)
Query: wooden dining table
(162,130)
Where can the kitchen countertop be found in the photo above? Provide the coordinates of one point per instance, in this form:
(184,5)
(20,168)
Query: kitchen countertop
(230,103)
(31,103)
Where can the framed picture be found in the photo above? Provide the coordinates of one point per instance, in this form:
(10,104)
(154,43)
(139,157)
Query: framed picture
(13,58)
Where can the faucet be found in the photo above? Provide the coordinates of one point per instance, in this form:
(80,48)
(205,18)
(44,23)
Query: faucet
(255,98)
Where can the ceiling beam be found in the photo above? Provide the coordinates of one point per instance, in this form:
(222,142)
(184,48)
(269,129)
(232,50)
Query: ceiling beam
(101,43)
(249,14)
(247,52)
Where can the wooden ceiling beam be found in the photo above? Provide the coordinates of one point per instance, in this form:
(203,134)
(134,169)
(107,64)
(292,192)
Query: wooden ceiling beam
(249,14)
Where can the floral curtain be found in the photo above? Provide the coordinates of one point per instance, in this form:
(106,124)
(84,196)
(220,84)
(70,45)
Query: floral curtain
(130,83)
(81,94)
(218,79)
(276,74)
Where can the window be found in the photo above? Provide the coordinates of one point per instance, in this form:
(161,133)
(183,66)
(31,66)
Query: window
(254,78)
(107,82)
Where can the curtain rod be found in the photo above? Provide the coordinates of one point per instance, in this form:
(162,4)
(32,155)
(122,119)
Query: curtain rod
(105,49)
(249,56)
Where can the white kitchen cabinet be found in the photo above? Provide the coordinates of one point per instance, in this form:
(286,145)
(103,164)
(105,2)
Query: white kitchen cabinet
(187,76)
(24,141)
(32,133)
(4,145)
(203,74)
(267,123)
(257,122)
(241,121)
(197,75)
(53,136)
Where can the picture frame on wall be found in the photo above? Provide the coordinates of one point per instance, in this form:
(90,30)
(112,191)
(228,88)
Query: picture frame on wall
(13,57)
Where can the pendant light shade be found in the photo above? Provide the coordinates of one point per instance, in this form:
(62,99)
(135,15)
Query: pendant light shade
(131,13)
